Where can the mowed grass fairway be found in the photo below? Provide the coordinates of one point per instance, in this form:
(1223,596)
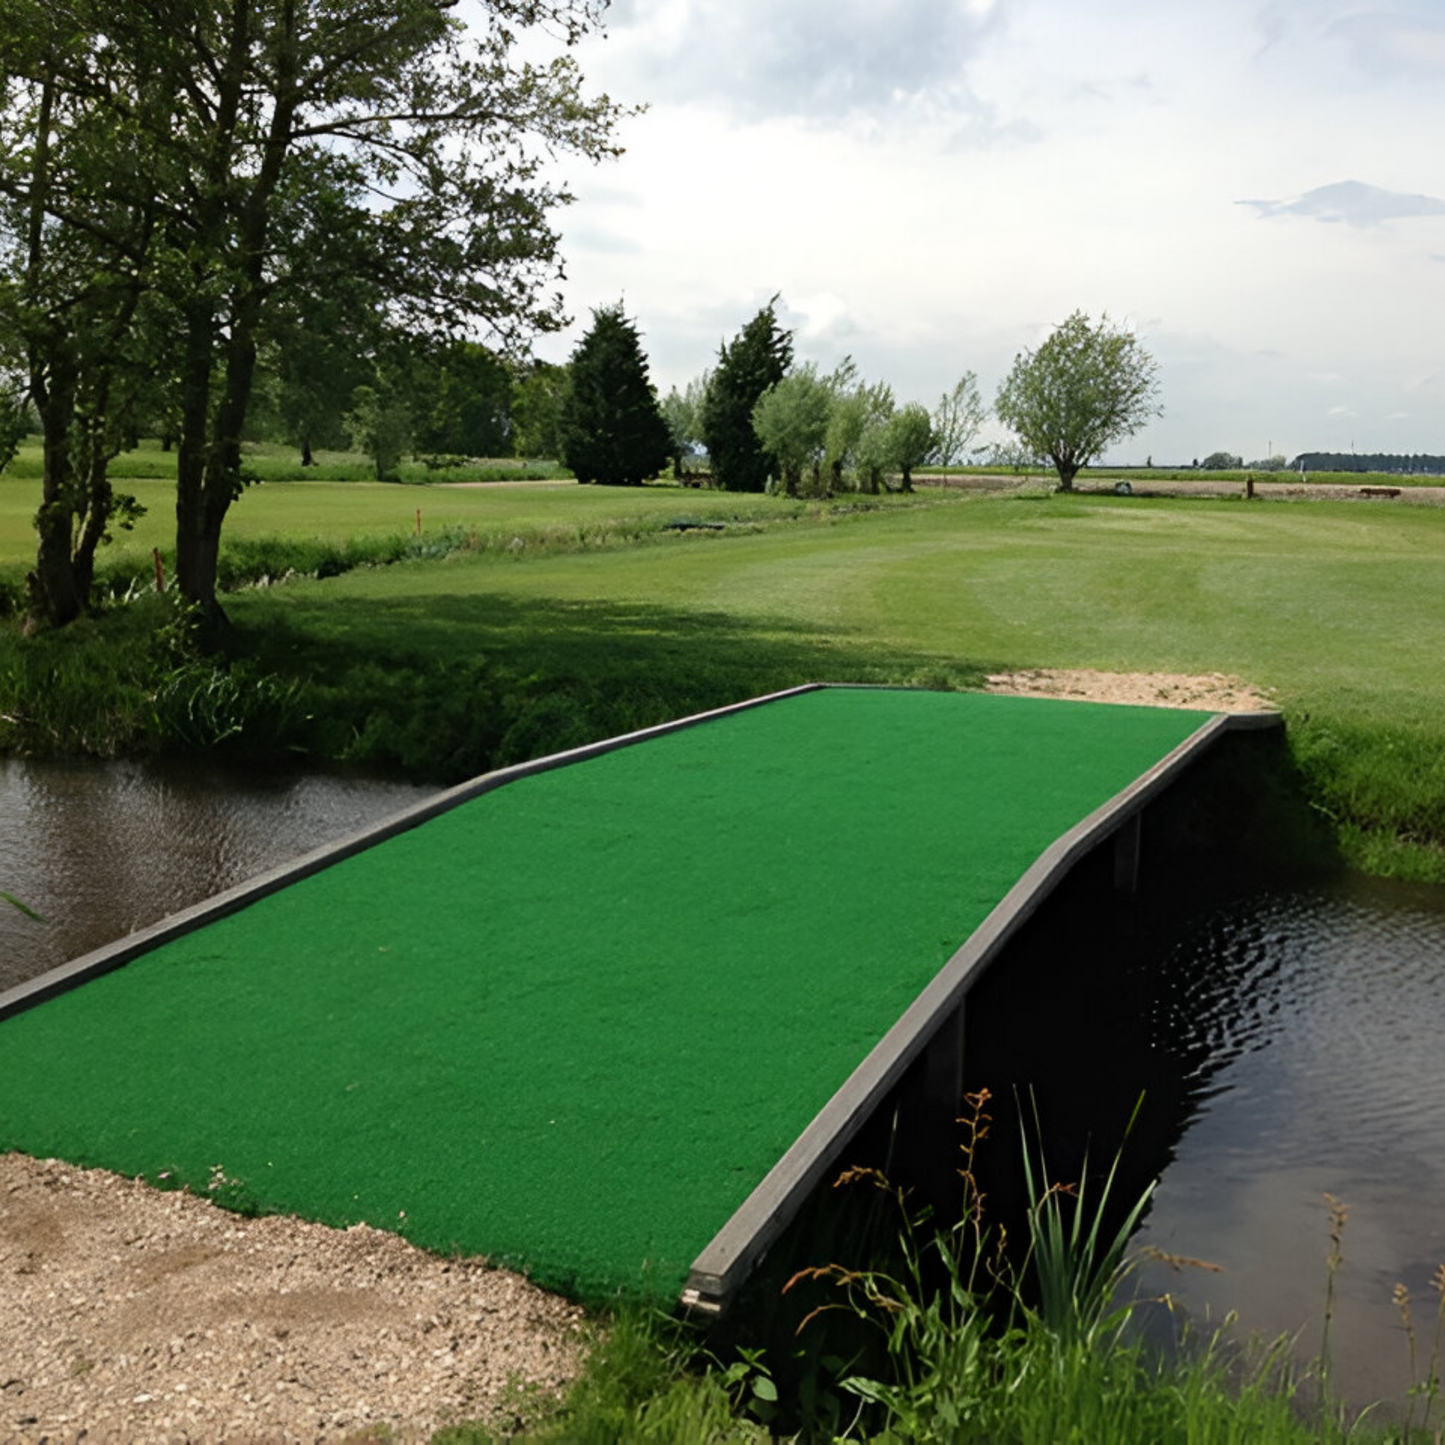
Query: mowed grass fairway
(444,667)
(1338,608)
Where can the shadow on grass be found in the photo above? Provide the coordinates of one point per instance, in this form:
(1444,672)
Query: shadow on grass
(444,687)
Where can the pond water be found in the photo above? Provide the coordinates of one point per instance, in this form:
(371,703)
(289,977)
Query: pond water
(1290,1041)
(99,850)
(1311,1026)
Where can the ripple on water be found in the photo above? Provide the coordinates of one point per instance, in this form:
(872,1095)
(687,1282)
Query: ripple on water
(1310,1023)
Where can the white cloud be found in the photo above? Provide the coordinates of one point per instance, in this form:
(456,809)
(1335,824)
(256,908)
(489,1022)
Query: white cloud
(1397,44)
(816,59)
(1354,203)
(1043,157)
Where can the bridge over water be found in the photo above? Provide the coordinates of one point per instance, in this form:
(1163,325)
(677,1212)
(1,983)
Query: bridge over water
(607,1017)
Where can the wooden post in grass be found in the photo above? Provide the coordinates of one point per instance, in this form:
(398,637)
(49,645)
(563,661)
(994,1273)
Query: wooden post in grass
(1249,488)
(418,521)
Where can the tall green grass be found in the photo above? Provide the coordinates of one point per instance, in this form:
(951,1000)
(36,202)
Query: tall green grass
(974,1351)
(267,463)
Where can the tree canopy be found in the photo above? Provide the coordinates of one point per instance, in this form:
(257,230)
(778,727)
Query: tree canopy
(538,391)
(683,413)
(908,440)
(791,421)
(1086,387)
(223,157)
(757,358)
(612,430)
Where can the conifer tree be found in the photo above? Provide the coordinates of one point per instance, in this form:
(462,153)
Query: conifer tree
(757,358)
(612,429)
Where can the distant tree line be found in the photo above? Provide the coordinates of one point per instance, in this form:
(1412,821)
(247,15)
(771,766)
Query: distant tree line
(756,420)
(1417,464)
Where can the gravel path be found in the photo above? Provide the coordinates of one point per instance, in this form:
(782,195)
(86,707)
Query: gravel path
(130,1314)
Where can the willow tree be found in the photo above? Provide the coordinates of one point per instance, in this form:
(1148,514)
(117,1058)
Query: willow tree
(299,144)
(1086,387)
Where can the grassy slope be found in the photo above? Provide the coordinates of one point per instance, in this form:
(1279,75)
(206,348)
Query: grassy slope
(1338,610)
(432,668)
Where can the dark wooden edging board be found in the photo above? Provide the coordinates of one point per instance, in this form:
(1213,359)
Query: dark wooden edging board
(115,955)
(727,1261)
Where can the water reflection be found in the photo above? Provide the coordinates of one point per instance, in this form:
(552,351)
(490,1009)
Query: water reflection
(1288,1043)
(100,850)
(1313,1022)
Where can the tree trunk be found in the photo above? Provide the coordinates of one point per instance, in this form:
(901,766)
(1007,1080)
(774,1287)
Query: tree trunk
(1067,472)
(790,481)
(53,596)
(208,463)
(307,460)
(198,526)
(99,498)
(907,478)
(52,388)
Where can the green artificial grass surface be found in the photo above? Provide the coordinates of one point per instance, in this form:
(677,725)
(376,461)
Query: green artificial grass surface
(572,1023)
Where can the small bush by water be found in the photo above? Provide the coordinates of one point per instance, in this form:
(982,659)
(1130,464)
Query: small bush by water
(135,681)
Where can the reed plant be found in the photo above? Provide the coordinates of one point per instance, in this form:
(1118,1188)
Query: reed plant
(1077,1258)
(978,1351)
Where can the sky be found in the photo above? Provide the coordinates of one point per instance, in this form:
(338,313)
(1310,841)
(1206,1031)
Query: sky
(1257,190)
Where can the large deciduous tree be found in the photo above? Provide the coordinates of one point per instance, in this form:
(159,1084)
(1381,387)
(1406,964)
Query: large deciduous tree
(75,229)
(757,358)
(872,450)
(294,145)
(464,402)
(612,429)
(1086,387)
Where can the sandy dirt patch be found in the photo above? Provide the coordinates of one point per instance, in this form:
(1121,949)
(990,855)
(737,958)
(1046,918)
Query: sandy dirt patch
(131,1314)
(1212,691)
(519,482)
(1264,489)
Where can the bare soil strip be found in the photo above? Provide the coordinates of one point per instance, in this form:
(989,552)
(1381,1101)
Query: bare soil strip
(127,1313)
(1214,691)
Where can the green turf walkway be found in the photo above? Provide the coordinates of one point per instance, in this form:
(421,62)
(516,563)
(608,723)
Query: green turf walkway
(572,1023)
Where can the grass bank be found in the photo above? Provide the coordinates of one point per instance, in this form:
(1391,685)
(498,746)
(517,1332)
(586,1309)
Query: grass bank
(604,618)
